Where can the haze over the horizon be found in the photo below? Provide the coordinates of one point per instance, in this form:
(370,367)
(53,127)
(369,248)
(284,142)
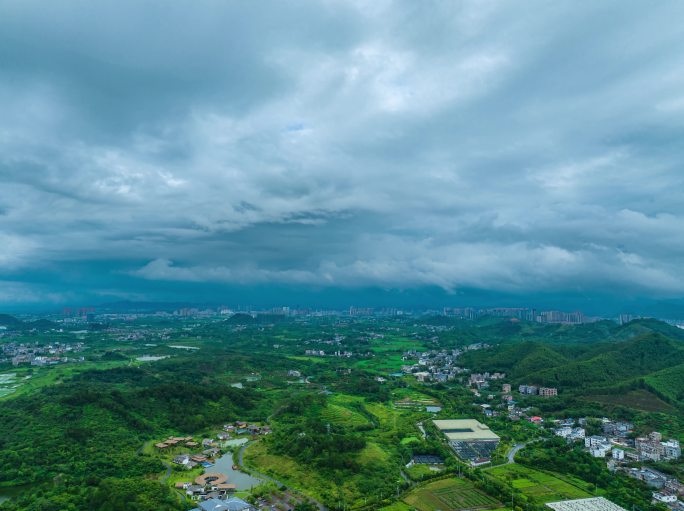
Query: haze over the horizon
(167,150)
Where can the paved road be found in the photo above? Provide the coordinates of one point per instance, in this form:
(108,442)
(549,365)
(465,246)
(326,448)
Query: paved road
(514,450)
(422,429)
(517,447)
(320,506)
(168,472)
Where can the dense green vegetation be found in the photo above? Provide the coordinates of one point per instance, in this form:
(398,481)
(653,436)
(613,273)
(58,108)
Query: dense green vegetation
(76,436)
(637,351)
(557,455)
(79,442)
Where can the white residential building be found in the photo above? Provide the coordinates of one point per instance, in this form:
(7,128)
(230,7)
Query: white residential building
(598,446)
(671,450)
(595,441)
(664,498)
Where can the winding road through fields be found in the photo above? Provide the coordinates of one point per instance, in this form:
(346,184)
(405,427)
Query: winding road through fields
(514,450)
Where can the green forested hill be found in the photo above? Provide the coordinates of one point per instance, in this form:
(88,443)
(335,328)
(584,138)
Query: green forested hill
(633,351)
(639,357)
(85,434)
(10,321)
(668,383)
(600,332)
(517,360)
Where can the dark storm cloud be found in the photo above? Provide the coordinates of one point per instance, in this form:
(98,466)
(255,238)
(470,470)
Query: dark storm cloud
(480,145)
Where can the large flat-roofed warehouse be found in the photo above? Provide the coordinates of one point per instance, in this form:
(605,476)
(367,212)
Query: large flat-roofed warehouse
(472,440)
(591,504)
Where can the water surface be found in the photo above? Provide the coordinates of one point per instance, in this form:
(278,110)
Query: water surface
(224,465)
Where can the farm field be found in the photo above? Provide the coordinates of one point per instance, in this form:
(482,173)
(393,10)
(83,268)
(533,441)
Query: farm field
(541,485)
(409,398)
(384,364)
(8,384)
(450,495)
(343,416)
(23,382)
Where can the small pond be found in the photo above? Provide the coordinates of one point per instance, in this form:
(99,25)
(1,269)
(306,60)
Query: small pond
(224,465)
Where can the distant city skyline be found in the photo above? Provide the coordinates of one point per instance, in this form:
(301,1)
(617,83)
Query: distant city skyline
(343,152)
(526,313)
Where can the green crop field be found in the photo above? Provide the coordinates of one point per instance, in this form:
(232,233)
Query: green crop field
(343,416)
(409,398)
(385,364)
(540,485)
(450,495)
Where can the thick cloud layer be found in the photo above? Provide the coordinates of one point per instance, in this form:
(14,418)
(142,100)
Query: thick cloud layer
(479,144)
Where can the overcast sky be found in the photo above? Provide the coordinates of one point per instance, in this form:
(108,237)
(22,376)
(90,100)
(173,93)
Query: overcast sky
(154,149)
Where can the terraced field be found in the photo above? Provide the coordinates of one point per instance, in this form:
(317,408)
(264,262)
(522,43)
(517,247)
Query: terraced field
(541,485)
(409,398)
(8,383)
(450,495)
(336,414)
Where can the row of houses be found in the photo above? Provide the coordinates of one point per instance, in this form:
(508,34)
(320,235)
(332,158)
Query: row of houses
(210,485)
(600,446)
(570,433)
(437,365)
(481,380)
(172,441)
(242,428)
(338,353)
(533,390)
(653,448)
(667,489)
(39,354)
(648,448)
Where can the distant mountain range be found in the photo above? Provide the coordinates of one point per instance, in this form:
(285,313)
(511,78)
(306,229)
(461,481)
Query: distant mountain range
(12,323)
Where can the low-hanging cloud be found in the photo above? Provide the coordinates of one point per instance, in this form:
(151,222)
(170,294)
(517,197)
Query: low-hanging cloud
(338,144)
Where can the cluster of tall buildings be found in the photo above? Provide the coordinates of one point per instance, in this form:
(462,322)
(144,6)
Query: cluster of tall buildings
(526,314)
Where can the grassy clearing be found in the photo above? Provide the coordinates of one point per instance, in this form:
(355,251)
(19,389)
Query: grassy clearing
(372,453)
(384,364)
(53,375)
(286,470)
(322,487)
(397,506)
(385,416)
(318,360)
(450,495)
(392,343)
(183,476)
(409,439)
(417,472)
(543,486)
